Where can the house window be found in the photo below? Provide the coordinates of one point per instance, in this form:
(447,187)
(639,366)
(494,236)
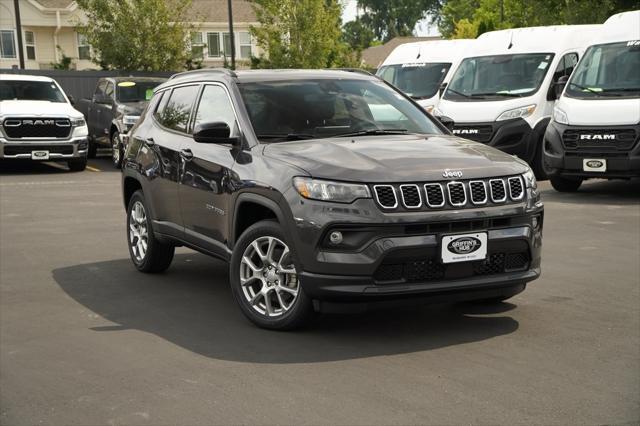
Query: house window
(226,49)
(84,50)
(197,45)
(213,44)
(7,44)
(30,45)
(244,40)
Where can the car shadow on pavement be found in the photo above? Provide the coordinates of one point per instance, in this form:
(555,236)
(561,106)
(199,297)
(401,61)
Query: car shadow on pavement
(598,192)
(191,305)
(22,167)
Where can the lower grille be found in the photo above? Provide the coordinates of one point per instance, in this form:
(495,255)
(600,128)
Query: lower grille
(27,148)
(19,128)
(426,270)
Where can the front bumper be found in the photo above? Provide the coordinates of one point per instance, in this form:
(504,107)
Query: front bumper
(511,136)
(58,149)
(398,255)
(565,157)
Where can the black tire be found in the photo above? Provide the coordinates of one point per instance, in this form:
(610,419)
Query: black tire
(93,148)
(538,165)
(561,184)
(116,150)
(299,312)
(158,254)
(78,164)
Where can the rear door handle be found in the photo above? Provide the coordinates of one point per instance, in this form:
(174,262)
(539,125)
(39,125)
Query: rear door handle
(186,154)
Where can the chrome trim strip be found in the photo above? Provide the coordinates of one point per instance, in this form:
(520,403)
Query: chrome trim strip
(404,203)
(426,193)
(395,197)
(484,187)
(464,191)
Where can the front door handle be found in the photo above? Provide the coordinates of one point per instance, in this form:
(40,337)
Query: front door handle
(186,154)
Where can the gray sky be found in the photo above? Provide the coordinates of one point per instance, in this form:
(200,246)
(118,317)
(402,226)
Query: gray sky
(422,28)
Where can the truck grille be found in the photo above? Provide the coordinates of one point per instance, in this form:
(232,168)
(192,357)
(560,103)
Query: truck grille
(613,139)
(454,194)
(38,127)
(475,133)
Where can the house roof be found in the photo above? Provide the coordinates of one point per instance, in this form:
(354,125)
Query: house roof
(374,56)
(200,10)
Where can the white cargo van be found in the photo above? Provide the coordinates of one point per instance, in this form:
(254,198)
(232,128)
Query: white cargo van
(595,129)
(503,93)
(420,69)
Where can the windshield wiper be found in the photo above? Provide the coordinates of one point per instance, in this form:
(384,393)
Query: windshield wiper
(458,93)
(287,136)
(505,94)
(373,132)
(588,89)
(623,89)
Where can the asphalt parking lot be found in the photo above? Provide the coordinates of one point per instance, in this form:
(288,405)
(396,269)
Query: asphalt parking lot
(85,339)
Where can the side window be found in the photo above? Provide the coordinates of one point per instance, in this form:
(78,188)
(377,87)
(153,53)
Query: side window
(100,87)
(174,108)
(565,66)
(109,90)
(215,106)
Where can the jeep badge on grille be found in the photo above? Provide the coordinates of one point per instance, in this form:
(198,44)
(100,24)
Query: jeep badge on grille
(452,173)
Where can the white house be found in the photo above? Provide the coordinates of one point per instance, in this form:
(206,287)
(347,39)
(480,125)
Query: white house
(50,23)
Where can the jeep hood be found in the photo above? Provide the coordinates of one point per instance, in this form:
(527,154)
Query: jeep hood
(401,158)
(38,109)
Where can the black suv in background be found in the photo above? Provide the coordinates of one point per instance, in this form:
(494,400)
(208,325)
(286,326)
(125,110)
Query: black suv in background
(321,187)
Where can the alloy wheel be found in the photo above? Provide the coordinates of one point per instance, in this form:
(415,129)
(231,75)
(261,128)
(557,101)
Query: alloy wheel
(268,277)
(138,231)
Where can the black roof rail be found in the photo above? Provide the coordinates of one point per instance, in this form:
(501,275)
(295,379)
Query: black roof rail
(224,71)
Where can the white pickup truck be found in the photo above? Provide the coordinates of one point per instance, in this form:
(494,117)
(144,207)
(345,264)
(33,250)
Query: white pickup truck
(38,122)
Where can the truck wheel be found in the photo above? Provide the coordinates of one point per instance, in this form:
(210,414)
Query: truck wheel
(565,185)
(264,279)
(78,164)
(148,254)
(93,148)
(116,150)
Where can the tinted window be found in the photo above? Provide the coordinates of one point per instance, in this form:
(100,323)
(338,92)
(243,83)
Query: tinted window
(301,109)
(565,66)
(174,112)
(135,91)
(607,70)
(498,77)
(109,90)
(215,106)
(418,80)
(100,87)
(30,90)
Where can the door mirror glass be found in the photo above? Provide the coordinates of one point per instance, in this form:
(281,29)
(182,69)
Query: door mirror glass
(72,100)
(217,132)
(446,121)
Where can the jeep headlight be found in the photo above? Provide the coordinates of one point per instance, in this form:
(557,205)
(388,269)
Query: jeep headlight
(559,116)
(530,180)
(325,190)
(130,120)
(521,112)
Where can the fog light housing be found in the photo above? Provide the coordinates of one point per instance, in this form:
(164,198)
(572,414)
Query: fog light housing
(335,237)
(535,222)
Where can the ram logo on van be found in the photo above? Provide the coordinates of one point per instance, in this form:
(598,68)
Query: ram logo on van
(465,131)
(598,137)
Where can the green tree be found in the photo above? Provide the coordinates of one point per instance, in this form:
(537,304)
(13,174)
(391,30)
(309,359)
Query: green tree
(357,35)
(392,18)
(300,34)
(144,35)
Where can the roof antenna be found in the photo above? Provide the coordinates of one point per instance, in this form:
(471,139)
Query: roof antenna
(510,41)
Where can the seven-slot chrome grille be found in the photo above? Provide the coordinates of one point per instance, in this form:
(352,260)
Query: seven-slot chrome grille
(452,194)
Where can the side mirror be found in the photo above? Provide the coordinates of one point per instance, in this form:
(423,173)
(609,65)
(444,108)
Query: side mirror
(216,132)
(559,86)
(72,100)
(447,122)
(101,99)
(443,86)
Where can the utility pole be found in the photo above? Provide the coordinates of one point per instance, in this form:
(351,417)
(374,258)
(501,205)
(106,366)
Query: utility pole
(233,41)
(16,7)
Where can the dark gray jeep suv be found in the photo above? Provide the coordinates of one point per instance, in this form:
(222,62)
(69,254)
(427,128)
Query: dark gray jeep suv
(322,188)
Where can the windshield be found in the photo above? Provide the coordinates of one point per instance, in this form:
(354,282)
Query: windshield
(607,70)
(130,91)
(498,77)
(306,109)
(30,91)
(419,80)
